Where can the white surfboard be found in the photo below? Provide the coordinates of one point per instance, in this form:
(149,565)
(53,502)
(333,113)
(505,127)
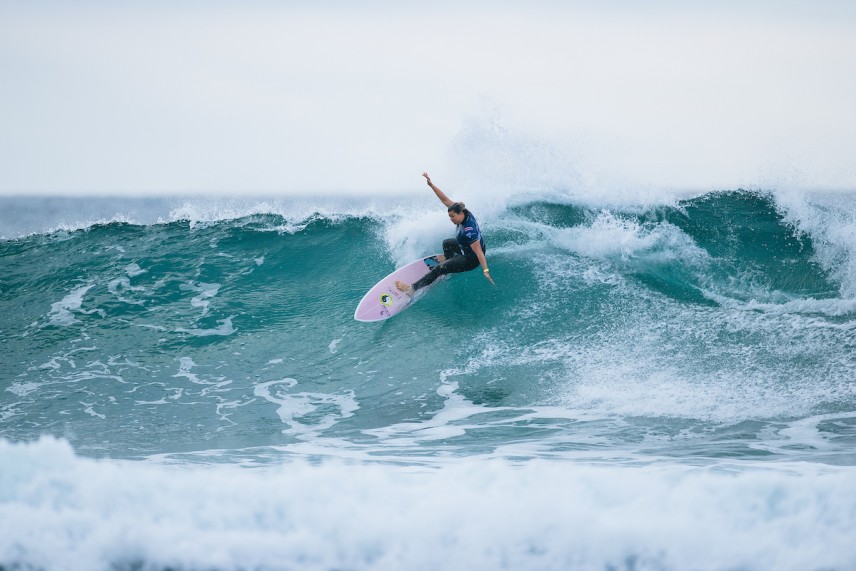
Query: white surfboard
(385,300)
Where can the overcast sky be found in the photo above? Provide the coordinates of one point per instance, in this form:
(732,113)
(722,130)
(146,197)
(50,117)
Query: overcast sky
(296,97)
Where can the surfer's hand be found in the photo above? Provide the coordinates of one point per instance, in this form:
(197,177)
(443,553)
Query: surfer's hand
(428,178)
(487,275)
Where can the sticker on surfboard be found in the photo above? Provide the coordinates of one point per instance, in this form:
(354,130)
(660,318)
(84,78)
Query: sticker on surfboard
(385,300)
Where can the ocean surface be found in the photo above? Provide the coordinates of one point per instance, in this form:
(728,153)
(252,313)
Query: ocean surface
(657,382)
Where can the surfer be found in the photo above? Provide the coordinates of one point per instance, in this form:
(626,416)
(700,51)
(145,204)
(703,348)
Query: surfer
(463,253)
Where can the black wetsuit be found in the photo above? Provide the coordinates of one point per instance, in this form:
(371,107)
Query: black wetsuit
(458,251)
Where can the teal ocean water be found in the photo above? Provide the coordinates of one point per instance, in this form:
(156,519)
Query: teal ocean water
(665,383)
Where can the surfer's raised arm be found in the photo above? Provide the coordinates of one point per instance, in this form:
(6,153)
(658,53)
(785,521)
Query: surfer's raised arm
(440,194)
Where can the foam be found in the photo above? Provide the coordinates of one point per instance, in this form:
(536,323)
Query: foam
(22,388)
(185,365)
(123,284)
(279,214)
(62,312)
(205,291)
(805,433)
(725,364)
(306,413)
(442,425)
(612,236)
(225,328)
(63,512)
(133,270)
(835,307)
(830,220)
(292,215)
(418,235)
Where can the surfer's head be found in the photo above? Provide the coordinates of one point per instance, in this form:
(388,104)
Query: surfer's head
(458,212)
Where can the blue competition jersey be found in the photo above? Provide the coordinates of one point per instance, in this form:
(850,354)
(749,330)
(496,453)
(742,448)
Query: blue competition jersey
(468,234)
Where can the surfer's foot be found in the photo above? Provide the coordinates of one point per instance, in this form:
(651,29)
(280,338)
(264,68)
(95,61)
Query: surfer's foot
(406,288)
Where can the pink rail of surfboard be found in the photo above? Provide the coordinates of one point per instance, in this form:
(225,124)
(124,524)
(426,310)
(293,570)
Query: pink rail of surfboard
(384,300)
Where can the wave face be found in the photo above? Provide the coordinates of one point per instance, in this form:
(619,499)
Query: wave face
(621,341)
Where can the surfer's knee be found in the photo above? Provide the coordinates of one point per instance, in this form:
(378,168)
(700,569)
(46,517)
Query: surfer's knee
(450,248)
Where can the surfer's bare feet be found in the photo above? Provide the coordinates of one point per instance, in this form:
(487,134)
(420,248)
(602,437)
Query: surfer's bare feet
(406,288)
